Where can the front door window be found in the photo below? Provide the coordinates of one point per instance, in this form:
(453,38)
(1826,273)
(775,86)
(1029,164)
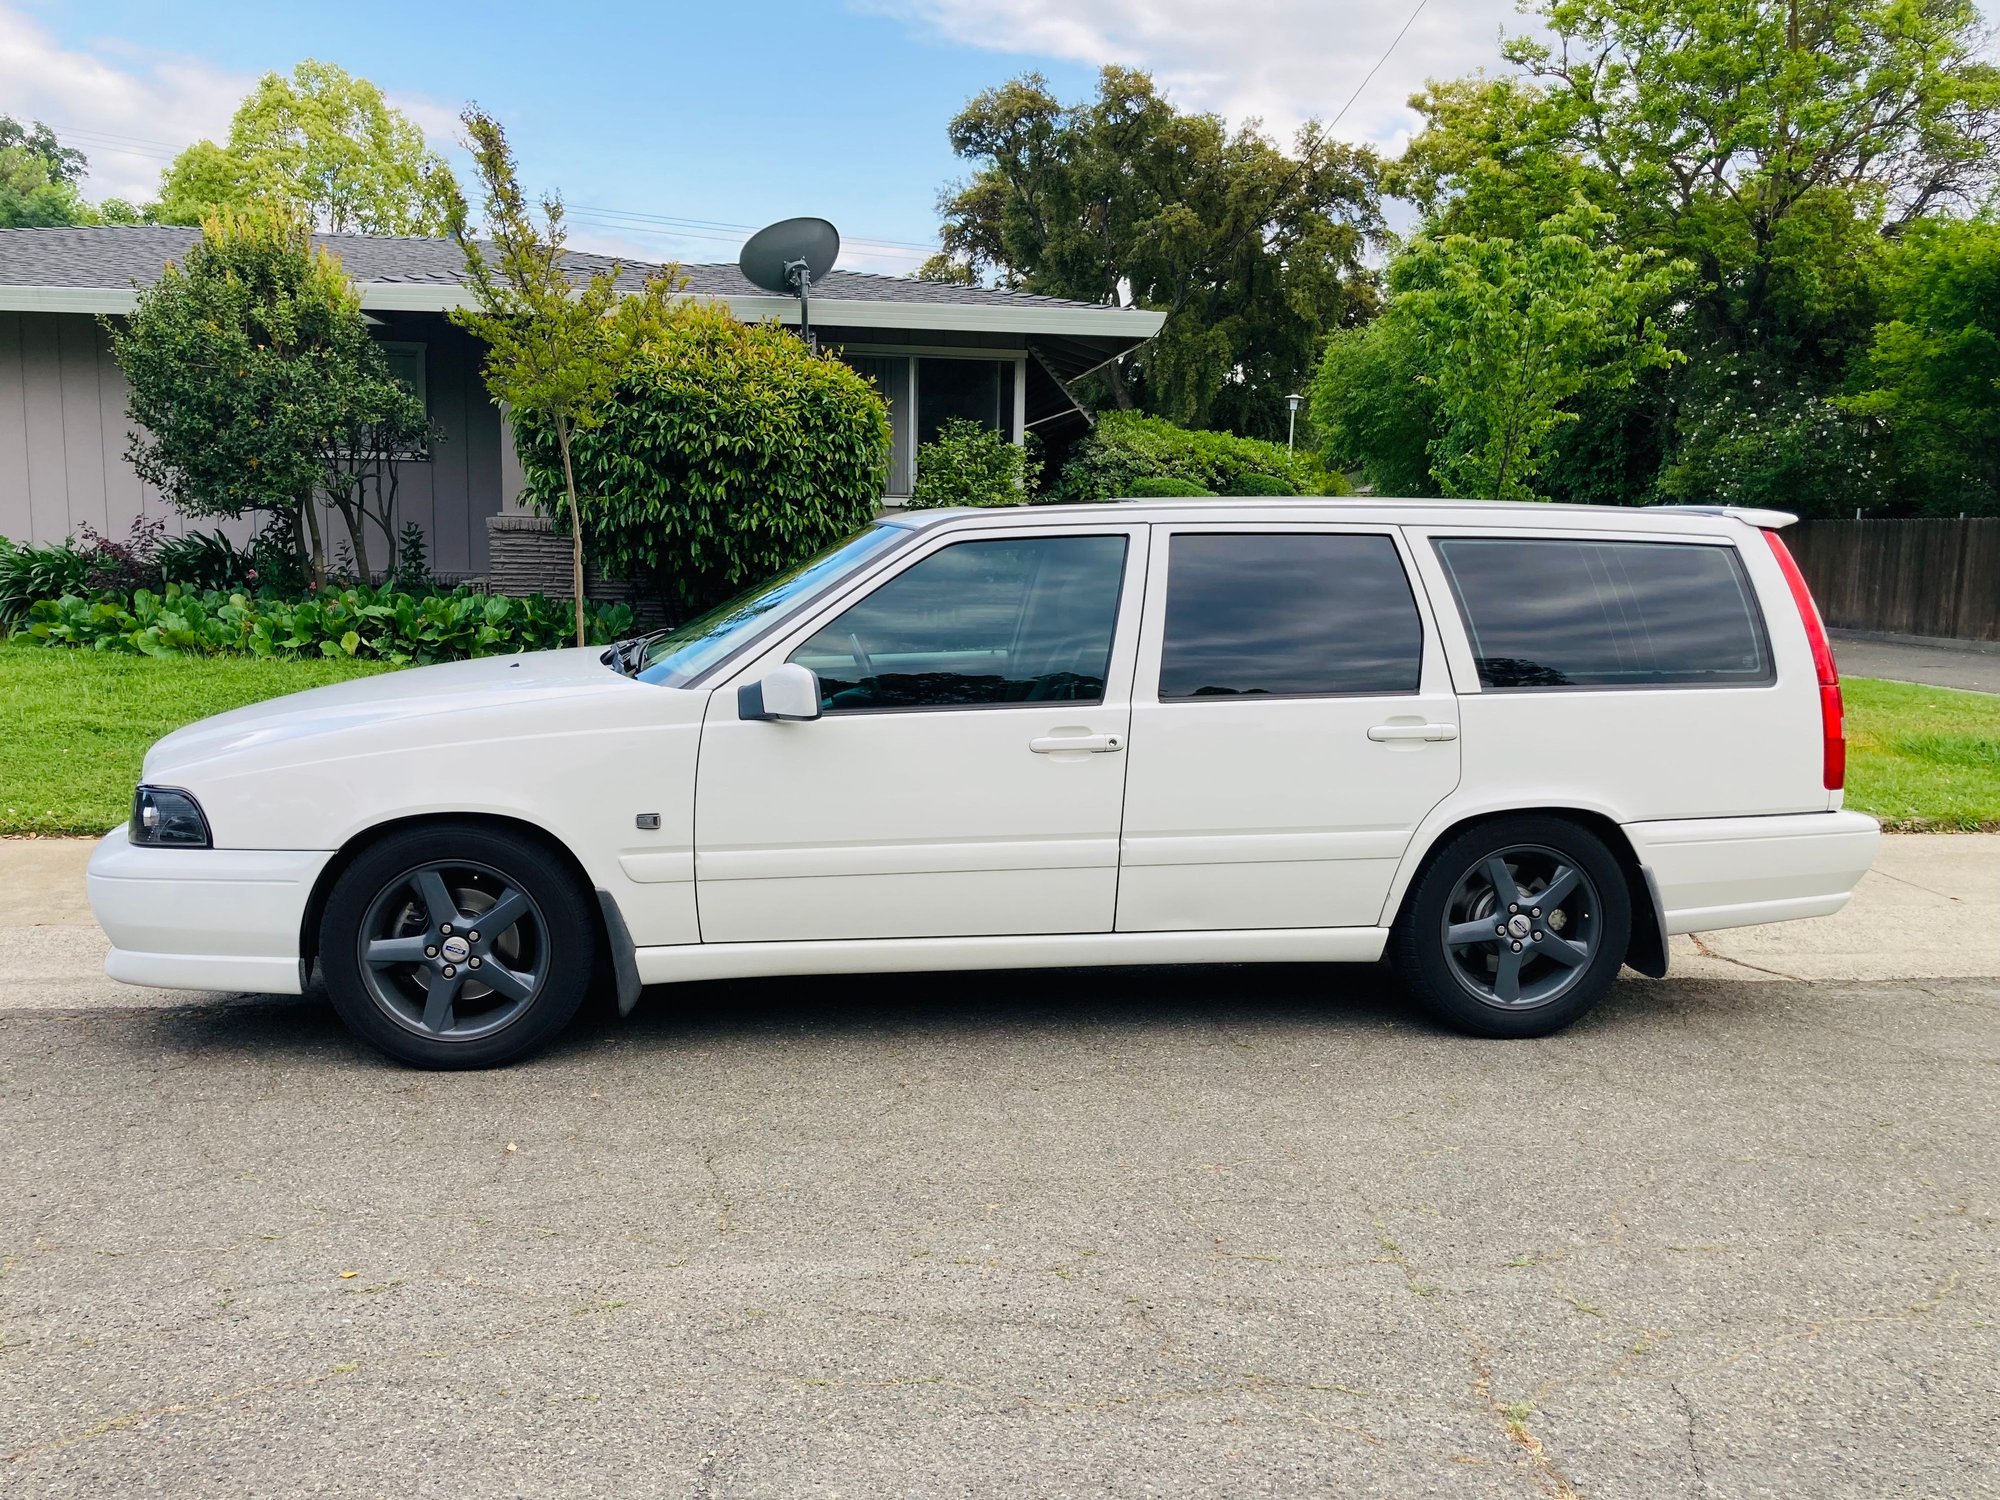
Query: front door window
(977,624)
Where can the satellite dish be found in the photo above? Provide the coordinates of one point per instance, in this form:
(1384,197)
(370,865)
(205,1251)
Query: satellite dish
(788,257)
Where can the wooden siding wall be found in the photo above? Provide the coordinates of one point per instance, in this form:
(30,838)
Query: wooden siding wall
(63,433)
(1937,578)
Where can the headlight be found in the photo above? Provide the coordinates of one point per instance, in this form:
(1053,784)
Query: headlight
(164,817)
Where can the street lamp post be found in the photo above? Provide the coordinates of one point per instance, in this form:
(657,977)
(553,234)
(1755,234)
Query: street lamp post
(1292,429)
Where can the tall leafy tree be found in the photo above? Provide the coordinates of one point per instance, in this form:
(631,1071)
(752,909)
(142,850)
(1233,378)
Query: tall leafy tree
(1931,374)
(40,181)
(1254,253)
(556,343)
(325,142)
(253,379)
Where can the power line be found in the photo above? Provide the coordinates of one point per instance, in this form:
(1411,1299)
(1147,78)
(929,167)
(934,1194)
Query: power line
(1378,63)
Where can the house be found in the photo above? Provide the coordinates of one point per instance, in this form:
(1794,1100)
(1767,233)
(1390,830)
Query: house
(936,351)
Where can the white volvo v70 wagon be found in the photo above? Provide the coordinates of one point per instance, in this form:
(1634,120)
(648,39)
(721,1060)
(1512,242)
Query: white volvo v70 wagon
(1510,746)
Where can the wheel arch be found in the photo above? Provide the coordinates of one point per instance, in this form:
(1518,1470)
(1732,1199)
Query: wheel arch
(610,959)
(1645,950)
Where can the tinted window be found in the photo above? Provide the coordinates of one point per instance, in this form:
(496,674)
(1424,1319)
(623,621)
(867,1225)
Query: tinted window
(1551,613)
(1288,615)
(978,623)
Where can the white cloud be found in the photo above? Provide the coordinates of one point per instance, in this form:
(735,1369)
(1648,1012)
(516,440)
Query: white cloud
(132,112)
(1283,61)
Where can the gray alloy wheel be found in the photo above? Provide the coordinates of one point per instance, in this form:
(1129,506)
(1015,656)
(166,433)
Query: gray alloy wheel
(1521,926)
(453,951)
(456,944)
(1515,926)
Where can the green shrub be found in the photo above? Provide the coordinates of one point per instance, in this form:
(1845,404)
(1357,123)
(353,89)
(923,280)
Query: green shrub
(1253,483)
(1126,447)
(728,453)
(31,573)
(204,561)
(370,624)
(971,464)
(1165,487)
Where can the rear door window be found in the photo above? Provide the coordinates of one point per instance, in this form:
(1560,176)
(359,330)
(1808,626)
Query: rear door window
(1288,615)
(1551,612)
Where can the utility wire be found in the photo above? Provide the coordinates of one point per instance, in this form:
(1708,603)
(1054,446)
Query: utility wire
(1378,64)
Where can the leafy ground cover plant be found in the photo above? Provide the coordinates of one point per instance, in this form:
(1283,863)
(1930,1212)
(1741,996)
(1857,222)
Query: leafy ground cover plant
(360,623)
(31,573)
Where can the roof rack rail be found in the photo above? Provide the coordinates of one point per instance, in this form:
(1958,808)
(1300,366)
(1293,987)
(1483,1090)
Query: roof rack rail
(1750,515)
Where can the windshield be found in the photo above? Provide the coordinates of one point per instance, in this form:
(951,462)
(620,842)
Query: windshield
(676,657)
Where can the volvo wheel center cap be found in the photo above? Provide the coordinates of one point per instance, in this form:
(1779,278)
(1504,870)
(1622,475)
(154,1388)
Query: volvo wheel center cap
(456,949)
(1518,925)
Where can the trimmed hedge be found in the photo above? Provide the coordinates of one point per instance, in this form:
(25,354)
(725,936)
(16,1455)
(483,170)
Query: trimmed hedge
(728,452)
(1165,487)
(369,624)
(1127,447)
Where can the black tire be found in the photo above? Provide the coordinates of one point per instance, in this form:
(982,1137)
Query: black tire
(1547,969)
(391,932)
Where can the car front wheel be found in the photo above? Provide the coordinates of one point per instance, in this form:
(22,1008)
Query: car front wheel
(1516,927)
(456,946)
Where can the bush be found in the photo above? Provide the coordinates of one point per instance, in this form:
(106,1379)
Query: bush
(205,561)
(31,573)
(370,624)
(1253,483)
(970,464)
(1126,447)
(728,453)
(1165,487)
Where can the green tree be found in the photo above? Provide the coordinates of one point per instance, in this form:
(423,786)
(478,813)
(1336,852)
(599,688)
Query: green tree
(555,344)
(253,379)
(1508,330)
(1782,147)
(325,142)
(1931,374)
(1254,253)
(39,181)
(726,452)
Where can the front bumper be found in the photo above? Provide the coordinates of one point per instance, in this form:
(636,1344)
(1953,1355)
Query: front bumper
(203,919)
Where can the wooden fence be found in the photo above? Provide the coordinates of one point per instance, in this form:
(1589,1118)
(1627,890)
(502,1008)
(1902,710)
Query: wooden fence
(1939,578)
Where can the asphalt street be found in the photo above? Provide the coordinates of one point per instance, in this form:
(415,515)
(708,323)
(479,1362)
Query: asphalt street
(1971,668)
(1150,1232)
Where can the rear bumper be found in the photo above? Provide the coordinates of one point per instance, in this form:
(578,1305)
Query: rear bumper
(1736,872)
(203,919)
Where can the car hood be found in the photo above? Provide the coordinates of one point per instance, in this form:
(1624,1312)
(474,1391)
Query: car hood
(416,693)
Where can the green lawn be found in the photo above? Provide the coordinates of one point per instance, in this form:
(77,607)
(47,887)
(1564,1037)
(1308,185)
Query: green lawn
(1923,757)
(74,726)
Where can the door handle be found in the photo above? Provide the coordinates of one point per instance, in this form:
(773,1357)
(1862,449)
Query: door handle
(1058,744)
(1390,733)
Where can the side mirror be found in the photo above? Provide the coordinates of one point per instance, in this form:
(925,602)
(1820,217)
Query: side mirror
(787,692)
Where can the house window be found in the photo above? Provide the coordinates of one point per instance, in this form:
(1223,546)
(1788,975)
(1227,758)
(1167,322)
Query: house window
(979,390)
(891,374)
(406,363)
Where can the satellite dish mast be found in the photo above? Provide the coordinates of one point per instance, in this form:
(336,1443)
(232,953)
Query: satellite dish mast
(788,257)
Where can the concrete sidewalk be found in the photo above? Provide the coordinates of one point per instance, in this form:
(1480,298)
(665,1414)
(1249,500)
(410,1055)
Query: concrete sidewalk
(1930,909)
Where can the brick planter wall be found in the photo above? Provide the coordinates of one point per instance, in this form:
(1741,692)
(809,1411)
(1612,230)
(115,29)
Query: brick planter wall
(527,555)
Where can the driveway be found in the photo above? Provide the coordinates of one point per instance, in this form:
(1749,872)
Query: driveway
(1973,668)
(1147,1232)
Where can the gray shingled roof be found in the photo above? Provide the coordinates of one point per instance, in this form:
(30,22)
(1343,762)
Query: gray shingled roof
(123,256)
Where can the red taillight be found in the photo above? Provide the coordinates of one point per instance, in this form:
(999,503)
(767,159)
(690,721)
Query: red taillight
(1831,716)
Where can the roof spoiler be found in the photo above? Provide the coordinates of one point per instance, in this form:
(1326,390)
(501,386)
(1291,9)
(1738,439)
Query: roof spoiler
(1763,520)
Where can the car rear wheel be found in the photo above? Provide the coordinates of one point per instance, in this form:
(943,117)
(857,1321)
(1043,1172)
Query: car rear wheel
(1515,928)
(456,946)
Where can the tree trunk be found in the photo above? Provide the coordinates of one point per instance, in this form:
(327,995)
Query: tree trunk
(575,526)
(1121,393)
(309,513)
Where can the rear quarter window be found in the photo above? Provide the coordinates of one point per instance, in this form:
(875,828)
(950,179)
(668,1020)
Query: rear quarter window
(1555,612)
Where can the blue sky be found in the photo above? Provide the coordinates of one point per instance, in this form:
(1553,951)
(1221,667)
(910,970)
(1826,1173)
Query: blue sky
(729,113)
